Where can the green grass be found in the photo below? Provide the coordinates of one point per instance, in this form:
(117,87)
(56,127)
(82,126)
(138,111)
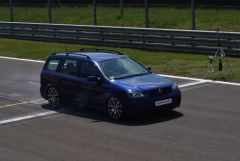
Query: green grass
(160,17)
(182,64)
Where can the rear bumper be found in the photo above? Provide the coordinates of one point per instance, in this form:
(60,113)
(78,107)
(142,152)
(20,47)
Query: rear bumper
(134,106)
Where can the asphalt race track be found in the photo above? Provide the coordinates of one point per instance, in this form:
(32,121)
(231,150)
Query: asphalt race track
(205,127)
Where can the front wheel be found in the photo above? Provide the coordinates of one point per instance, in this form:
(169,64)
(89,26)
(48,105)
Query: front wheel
(115,108)
(53,97)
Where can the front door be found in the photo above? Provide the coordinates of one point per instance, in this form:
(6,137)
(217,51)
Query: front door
(93,91)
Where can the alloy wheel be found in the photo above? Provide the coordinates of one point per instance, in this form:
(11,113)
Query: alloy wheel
(53,97)
(115,108)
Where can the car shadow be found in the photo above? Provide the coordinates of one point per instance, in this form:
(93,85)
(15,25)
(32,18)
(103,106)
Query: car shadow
(97,115)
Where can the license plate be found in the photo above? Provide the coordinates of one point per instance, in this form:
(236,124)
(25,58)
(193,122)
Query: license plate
(163,102)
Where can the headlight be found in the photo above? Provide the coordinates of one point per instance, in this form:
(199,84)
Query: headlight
(174,87)
(135,94)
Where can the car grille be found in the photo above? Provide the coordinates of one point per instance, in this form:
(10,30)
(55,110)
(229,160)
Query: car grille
(160,91)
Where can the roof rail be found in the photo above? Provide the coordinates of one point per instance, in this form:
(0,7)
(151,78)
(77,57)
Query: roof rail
(73,53)
(100,50)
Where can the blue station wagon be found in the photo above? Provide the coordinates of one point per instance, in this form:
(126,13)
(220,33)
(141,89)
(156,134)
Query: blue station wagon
(106,79)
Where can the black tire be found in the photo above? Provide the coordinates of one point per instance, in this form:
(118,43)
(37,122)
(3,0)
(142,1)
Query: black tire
(115,108)
(53,97)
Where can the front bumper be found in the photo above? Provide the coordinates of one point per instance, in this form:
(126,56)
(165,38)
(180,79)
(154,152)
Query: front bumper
(147,104)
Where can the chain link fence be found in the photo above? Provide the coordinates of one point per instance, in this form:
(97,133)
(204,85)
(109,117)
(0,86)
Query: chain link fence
(187,15)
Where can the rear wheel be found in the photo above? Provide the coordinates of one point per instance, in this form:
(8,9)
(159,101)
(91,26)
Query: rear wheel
(53,97)
(115,108)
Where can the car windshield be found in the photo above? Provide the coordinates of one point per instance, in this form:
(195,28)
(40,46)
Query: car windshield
(122,68)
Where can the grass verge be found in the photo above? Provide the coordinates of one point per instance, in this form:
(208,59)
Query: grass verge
(182,64)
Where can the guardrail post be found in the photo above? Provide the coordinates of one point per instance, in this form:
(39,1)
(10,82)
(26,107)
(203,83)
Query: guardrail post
(49,11)
(94,13)
(146,13)
(11,9)
(193,15)
(121,8)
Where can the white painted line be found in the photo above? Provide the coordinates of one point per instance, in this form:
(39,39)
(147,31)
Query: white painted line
(169,76)
(180,77)
(203,85)
(20,59)
(22,103)
(9,98)
(14,104)
(34,83)
(39,102)
(16,119)
(35,101)
(197,79)
(14,95)
(192,84)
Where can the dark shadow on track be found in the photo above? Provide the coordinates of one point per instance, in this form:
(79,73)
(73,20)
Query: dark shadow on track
(97,115)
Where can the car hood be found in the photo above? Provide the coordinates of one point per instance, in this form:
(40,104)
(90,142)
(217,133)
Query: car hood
(144,82)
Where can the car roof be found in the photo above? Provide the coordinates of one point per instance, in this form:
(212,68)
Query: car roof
(91,55)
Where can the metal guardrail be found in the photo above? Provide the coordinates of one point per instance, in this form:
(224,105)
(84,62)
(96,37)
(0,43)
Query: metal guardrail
(205,42)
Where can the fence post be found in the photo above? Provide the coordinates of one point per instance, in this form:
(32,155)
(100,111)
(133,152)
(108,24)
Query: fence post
(121,7)
(94,13)
(193,15)
(146,13)
(49,11)
(11,9)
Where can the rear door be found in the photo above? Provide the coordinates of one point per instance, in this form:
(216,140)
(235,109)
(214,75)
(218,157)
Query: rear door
(69,81)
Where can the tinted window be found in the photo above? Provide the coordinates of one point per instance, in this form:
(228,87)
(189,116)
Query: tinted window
(87,69)
(70,67)
(52,65)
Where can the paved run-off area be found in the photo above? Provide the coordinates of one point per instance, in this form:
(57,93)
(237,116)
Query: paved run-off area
(205,127)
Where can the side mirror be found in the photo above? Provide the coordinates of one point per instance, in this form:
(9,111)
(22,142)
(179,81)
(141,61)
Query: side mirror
(94,79)
(149,69)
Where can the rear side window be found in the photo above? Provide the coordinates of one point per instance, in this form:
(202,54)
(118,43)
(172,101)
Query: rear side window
(70,67)
(52,65)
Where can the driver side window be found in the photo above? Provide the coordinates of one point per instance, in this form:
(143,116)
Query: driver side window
(87,69)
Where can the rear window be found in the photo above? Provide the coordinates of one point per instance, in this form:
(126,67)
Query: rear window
(52,65)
